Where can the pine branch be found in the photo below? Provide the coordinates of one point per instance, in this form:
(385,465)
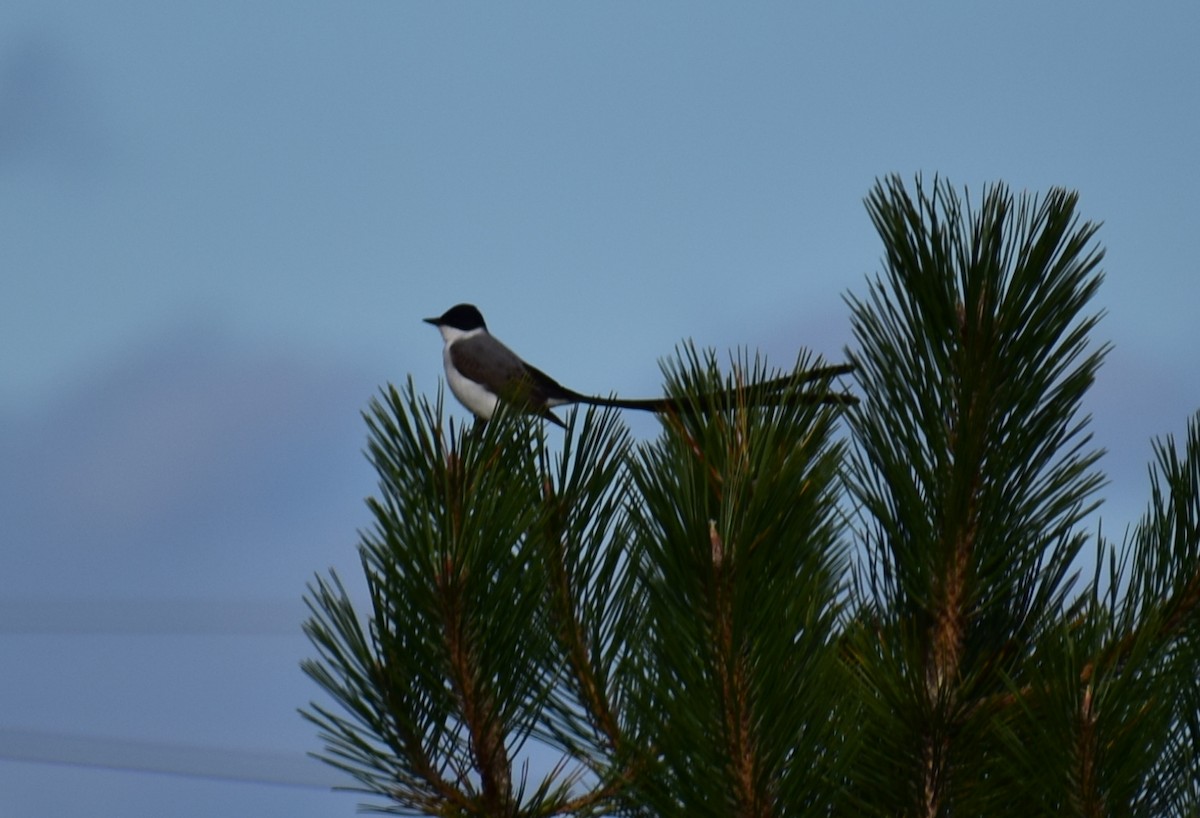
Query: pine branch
(971,466)
(737,556)
(591,603)
(446,678)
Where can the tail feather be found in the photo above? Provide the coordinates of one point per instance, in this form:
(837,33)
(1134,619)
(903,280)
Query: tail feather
(770,394)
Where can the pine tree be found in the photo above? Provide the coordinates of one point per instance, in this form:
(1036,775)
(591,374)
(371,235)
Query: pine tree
(790,608)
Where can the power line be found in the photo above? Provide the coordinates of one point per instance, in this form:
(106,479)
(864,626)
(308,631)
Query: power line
(129,755)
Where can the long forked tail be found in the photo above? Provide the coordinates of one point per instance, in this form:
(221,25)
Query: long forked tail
(771,392)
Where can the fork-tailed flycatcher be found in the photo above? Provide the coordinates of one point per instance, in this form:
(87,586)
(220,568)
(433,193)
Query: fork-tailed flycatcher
(482,372)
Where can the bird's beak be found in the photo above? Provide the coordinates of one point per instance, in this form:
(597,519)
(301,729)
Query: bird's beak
(433,321)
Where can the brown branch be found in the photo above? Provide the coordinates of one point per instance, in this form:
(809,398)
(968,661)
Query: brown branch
(1091,803)
(443,791)
(738,717)
(571,632)
(484,729)
(943,667)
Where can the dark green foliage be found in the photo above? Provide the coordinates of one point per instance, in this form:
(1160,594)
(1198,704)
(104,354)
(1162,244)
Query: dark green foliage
(595,599)
(972,466)
(1108,717)
(678,624)
(453,659)
(990,685)
(736,534)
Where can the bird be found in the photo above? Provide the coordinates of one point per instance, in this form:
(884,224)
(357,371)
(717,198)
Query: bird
(482,372)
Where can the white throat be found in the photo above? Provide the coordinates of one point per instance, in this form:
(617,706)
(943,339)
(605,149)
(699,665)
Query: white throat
(452,334)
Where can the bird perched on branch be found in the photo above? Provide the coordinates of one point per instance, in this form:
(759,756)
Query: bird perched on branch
(482,371)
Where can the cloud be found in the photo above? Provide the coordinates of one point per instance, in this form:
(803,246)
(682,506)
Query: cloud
(48,111)
(190,459)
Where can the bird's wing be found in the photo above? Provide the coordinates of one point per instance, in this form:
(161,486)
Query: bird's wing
(486,361)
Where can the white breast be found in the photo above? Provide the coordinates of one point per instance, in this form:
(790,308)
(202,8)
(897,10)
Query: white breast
(480,401)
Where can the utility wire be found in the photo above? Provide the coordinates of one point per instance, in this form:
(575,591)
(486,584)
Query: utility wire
(129,755)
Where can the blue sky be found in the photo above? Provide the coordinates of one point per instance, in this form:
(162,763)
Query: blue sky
(221,224)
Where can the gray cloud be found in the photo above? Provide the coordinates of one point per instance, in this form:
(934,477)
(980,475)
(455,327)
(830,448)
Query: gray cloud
(187,461)
(49,112)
